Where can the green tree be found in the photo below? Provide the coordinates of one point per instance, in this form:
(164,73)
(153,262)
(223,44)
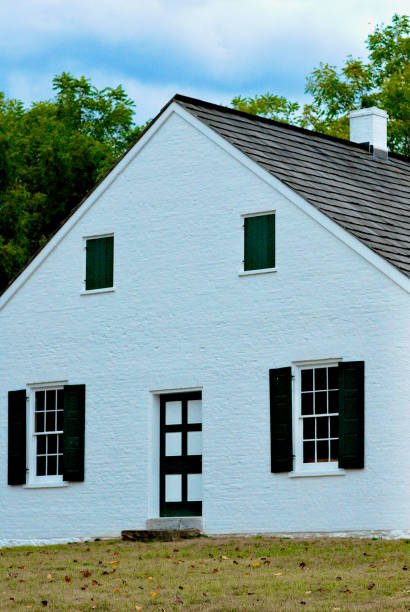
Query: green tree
(51,155)
(383,80)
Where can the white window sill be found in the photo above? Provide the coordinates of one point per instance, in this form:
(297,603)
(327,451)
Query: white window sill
(262,271)
(45,485)
(318,472)
(92,291)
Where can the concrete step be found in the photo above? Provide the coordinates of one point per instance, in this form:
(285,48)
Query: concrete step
(162,535)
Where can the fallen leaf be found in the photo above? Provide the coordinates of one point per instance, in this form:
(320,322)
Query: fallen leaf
(308,592)
(116,590)
(224,557)
(338,578)
(404,568)
(149,577)
(266,562)
(67,578)
(114,562)
(49,576)
(256,564)
(235,562)
(371,585)
(348,591)
(94,582)
(153,594)
(84,587)
(303,603)
(181,587)
(178,602)
(85,573)
(138,607)
(215,571)
(44,603)
(302,564)
(278,574)
(22,567)
(204,594)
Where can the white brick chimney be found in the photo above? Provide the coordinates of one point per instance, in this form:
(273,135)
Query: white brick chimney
(369,125)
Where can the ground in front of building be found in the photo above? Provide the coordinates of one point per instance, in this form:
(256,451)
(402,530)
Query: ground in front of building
(224,574)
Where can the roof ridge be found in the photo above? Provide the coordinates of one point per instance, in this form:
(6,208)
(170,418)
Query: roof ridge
(227,109)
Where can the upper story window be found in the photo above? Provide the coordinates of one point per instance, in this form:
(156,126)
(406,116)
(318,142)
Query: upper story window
(259,242)
(99,263)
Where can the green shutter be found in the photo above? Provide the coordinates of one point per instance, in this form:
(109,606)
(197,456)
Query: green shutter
(73,435)
(17,438)
(280,381)
(259,242)
(99,263)
(351,414)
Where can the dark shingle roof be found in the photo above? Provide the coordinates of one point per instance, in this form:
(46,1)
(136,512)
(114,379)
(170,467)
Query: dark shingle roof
(368,197)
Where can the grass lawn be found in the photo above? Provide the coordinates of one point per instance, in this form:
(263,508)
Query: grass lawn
(255,573)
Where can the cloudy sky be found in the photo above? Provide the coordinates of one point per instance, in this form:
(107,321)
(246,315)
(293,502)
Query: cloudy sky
(211,49)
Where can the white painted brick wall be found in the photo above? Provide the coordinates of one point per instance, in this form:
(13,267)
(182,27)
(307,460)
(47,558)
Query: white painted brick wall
(182,317)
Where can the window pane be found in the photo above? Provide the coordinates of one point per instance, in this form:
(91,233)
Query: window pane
(194,446)
(333,401)
(51,400)
(320,378)
(307,403)
(334,450)
(322,427)
(321,402)
(194,411)
(41,466)
(309,429)
(60,465)
(39,401)
(173,413)
(40,421)
(60,420)
(60,399)
(41,445)
(51,444)
(173,488)
(307,380)
(51,465)
(308,452)
(333,378)
(59,443)
(334,427)
(50,421)
(173,444)
(322,450)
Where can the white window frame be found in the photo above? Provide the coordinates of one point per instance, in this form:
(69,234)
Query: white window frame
(330,468)
(34,481)
(242,271)
(83,290)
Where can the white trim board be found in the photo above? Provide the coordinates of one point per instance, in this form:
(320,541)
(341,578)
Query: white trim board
(343,235)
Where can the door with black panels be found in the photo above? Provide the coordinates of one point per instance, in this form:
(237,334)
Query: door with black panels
(181,454)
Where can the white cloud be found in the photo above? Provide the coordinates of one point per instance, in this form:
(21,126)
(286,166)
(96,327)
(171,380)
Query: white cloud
(221,35)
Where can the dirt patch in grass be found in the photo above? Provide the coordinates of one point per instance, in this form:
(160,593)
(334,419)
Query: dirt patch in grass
(213,574)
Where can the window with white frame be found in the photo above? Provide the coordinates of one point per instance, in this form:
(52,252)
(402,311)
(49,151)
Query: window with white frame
(317,424)
(46,456)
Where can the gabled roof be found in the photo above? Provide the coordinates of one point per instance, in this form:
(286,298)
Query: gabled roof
(368,197)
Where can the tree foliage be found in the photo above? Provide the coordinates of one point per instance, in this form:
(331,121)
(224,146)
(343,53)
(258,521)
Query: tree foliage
(383,80)
(51,155)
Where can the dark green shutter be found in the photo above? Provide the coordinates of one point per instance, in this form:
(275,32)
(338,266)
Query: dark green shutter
(73,436)
(17,438)
(99,263)
(351,414)
(259,242)
(280,382)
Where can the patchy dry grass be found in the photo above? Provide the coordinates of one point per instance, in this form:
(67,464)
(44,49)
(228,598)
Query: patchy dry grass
(226,574)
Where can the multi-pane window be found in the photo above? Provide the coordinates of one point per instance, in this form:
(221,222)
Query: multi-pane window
(48,431)
(320,414)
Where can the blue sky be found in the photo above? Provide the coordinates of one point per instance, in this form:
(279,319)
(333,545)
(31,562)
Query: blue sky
(211,49)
